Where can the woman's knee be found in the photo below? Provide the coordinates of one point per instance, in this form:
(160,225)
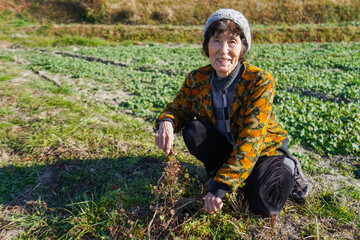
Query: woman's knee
(192,130)
(267,191)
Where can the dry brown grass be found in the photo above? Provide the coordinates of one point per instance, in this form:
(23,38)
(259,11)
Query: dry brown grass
(260,11)
(192,12)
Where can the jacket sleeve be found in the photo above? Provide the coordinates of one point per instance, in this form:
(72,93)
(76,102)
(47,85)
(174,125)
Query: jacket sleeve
(180,109)
(253,123)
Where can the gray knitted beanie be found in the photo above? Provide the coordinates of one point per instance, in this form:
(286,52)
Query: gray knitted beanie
(233,15)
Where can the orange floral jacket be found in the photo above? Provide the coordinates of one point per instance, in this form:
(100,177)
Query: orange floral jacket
(252,120)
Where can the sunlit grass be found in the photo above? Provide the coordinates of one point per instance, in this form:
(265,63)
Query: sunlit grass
(78,167)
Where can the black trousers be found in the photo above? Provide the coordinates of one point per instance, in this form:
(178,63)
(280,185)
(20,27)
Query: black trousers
(268,186)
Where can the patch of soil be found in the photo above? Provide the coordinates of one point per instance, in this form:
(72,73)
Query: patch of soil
(54,78)
(5,45)
(7,229)
(84,89)
(321,96)
(7,234)
(4,157)
(25,77)
(332,182)
(107,97)
(50,113)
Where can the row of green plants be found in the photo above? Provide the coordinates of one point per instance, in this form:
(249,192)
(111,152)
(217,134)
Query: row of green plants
(318,85)
(329,69)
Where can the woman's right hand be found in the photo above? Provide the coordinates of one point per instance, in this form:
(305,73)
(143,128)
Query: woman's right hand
(164,137)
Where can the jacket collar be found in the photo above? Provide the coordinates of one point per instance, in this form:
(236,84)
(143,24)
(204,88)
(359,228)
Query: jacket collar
(207,101)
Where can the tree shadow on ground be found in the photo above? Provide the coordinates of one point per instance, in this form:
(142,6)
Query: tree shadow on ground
(127,180)
(71,193)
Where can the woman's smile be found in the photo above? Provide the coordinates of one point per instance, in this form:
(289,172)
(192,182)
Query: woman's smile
(224,61)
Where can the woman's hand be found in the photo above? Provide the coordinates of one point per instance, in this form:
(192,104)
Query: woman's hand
(164,137)
(212,203)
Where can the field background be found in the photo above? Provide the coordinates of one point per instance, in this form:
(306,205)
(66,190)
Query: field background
(81,83)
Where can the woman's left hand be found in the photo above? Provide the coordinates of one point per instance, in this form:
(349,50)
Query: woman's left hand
(212,203)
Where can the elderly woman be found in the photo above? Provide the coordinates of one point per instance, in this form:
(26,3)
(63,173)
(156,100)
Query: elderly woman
(225,113)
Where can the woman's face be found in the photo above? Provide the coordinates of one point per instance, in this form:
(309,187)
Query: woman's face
(224,52)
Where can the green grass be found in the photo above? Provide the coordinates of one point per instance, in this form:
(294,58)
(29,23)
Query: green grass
(77,161)
(75,164)
(6,74)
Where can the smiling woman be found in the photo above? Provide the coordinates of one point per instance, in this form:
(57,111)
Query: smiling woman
(226,46)
(235,133)
(224,52)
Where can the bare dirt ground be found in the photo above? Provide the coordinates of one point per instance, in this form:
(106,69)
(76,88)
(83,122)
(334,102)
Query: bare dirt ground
(5,44)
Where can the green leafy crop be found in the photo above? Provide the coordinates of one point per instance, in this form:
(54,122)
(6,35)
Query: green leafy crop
(318,85)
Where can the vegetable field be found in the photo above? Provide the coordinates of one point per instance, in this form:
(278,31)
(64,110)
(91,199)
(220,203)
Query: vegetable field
(318,84)
(79,162)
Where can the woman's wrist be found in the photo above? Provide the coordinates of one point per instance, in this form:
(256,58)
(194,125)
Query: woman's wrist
(217,189)
(164,120)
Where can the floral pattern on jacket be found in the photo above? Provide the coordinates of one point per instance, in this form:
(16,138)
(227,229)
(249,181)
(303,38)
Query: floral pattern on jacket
(252,120)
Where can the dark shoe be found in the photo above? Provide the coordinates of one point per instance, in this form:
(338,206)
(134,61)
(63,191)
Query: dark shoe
(302,186)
